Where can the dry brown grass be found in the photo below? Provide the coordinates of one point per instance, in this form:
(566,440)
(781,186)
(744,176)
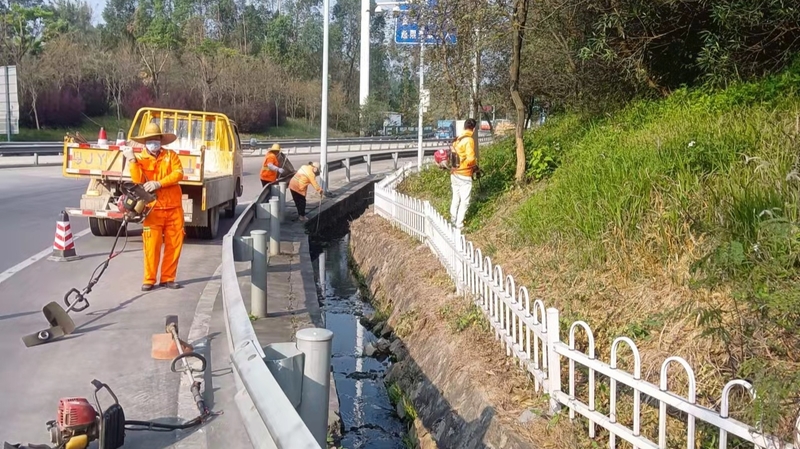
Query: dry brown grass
(412,280)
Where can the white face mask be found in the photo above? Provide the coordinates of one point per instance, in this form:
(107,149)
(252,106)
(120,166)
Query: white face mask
(153,146)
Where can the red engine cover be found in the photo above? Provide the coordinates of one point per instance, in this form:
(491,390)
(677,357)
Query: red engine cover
(75,413)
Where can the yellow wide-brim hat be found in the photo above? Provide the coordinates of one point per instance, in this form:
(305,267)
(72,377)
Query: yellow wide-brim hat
(152,132)
(275,147)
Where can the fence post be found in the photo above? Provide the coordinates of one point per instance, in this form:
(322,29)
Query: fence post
(274,227)
(316,344)
(258,274)
(282,199)
(553,359)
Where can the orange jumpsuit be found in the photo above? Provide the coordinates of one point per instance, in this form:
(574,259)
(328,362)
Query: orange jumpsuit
(268,175)
(164,225)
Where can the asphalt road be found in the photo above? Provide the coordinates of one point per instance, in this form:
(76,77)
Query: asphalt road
(113,340)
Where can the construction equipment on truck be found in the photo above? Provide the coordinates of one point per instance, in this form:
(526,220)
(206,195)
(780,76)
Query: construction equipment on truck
(210,151)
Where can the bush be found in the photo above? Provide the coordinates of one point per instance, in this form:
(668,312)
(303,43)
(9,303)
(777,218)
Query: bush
(95,100)
(253,117)
(135,99)
(179,99)
(60,108)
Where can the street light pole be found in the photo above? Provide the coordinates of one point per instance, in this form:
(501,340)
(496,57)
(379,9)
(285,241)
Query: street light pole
(421,104)
(364,74)
(323,138)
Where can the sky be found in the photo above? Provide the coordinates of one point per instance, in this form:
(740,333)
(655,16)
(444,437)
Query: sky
(97,10)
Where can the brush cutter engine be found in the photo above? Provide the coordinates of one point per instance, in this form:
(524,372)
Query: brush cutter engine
(78,423)
(133,202)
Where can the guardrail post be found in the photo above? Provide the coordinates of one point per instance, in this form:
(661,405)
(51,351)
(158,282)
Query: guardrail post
(258,275)
(347,169)
(316,344)
(274,227)
(368,159)
(553,359)
(282,199)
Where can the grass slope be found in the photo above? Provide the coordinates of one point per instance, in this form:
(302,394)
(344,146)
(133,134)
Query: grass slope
(674,222)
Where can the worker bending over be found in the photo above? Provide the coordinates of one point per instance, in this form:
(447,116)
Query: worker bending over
(461,174)
(160,170)
(299,185)
(271,168)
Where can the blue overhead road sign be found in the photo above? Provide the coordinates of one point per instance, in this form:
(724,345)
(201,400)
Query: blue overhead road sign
(408,32)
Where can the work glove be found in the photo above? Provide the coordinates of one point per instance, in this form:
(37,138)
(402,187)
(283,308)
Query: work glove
(152,186)
(280,170)
(128,153)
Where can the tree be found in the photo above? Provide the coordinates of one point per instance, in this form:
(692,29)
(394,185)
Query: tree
(519,19)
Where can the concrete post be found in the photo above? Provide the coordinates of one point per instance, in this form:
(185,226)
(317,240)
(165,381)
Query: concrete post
(368,158)
(316,344)
(35,158)
(347,169)
(274,227)
(394,159)
(282,199)
(258,275)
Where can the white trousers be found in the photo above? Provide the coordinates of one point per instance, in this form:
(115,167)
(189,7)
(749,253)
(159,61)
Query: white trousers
(462,188)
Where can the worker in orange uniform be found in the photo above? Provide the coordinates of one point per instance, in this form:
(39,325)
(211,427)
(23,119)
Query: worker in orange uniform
(307,174)
(462,168)
(271,167)
(159,170)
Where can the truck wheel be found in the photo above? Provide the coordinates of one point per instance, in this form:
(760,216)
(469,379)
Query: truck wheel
(230,210)
(210,232)
(112,227)
(97,226)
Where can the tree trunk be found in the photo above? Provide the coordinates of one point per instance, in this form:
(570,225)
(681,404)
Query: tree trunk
(520,16)
(35,113)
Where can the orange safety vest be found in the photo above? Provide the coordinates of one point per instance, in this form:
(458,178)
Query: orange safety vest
(166,169)
(465,149)
(267,174)
(302,179)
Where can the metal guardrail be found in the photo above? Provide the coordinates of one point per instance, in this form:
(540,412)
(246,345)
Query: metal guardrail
(269,417)
(531,334)
(293,145)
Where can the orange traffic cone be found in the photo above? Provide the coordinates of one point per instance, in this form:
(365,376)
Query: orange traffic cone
(102,139)
(63,246)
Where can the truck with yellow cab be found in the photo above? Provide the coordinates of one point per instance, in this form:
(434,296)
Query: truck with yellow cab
(210,152)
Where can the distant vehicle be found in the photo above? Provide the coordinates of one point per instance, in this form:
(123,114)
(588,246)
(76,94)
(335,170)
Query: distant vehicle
(211,154)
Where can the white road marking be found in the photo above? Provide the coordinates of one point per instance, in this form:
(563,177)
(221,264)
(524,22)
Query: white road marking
(198,333)
(35,258)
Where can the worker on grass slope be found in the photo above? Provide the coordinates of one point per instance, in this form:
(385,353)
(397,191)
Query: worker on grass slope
(160,170)
(461,171)
(299,185)
(271,168)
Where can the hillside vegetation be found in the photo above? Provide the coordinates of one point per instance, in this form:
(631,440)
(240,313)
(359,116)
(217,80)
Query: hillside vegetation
(673,222)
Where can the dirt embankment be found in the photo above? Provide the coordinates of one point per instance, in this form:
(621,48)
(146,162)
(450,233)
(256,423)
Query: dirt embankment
(466,393)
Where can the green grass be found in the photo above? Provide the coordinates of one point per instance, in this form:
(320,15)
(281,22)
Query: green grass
(714,167)
(294,128)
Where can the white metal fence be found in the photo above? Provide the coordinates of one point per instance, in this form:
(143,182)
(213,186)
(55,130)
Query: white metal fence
(531,334)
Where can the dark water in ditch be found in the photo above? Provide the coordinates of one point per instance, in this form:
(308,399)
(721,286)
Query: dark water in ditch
(368,418)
